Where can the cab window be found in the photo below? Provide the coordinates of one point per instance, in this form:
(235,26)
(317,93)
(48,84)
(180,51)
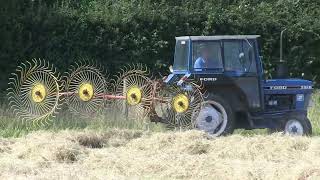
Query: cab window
(207,56)
(239,56)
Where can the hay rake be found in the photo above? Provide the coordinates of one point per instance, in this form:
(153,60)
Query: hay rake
(37,92)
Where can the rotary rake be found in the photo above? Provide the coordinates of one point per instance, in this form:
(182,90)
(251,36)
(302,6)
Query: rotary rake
(36,93)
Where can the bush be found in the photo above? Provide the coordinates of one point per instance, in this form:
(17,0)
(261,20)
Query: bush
(122,31)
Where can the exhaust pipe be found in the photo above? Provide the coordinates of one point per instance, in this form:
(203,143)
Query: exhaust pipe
(282,68)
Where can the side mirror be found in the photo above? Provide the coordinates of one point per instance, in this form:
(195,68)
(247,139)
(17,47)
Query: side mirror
(242,60)
(171,68)
(246,59)
(261,58)
(241,57)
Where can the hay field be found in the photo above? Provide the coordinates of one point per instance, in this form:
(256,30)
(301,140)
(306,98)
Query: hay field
(131,154)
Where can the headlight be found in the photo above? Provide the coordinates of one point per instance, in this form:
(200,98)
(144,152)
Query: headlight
(300,97)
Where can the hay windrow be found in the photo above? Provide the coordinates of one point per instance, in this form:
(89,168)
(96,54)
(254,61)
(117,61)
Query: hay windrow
(122,154)
(114,138)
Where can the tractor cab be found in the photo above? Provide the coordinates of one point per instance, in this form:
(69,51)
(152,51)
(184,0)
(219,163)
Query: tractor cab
(216,54)
(231,71)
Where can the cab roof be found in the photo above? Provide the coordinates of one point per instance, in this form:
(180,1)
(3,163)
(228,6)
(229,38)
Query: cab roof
(224,37)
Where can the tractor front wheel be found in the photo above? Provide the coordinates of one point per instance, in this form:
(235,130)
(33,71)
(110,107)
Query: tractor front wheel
(298,126)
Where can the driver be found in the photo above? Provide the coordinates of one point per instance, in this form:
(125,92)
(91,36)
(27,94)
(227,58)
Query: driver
(204,61)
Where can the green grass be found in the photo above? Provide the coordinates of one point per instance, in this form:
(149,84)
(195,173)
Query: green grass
(314,113)
(11,127)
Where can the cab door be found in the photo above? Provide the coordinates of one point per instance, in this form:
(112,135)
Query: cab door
(240,65)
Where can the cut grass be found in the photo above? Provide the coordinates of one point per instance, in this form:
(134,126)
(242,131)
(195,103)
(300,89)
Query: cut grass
(133,154)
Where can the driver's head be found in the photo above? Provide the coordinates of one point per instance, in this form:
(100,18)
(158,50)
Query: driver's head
(205,53)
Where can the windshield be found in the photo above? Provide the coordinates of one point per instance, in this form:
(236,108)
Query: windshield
(181,55)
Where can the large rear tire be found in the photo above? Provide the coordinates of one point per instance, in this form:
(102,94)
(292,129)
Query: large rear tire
(216,117)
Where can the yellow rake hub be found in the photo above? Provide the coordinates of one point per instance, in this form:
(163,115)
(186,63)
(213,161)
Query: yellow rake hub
(180,103)
(134,95)
(38,93)
(86,91)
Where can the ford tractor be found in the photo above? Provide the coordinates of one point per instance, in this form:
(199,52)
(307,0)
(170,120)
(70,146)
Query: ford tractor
(237,94)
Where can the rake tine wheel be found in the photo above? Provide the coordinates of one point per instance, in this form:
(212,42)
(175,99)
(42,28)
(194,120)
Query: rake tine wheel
(33,92)
(179,106)
(136,88)
(85,87)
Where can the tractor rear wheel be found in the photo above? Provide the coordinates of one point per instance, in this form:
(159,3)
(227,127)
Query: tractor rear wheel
(216,117)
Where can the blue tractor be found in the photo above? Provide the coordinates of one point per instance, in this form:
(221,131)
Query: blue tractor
(237,93)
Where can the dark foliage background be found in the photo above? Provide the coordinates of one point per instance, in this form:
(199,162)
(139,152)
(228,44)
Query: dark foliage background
(116,32)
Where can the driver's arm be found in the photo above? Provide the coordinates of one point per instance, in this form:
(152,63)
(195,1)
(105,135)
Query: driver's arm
(198,65)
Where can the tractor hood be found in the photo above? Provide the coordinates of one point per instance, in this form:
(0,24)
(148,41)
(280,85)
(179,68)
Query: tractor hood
(288,86)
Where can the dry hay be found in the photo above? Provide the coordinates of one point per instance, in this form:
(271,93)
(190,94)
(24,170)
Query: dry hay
(123,154)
